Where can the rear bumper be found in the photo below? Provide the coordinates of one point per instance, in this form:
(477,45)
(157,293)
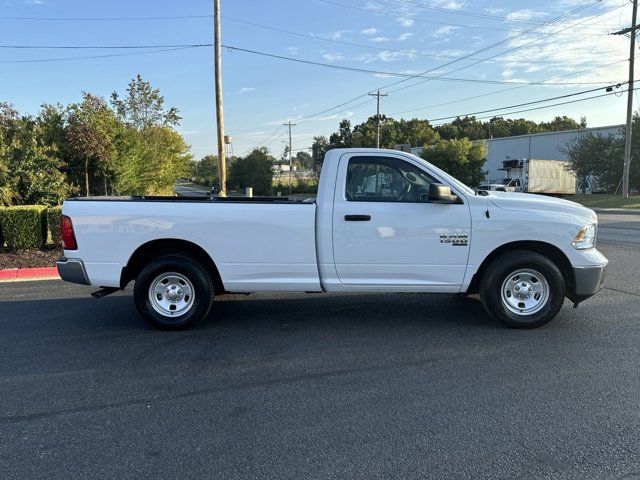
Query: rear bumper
(72,270)
(587,281)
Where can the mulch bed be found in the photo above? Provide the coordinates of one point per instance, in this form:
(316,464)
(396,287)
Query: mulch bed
(30,258)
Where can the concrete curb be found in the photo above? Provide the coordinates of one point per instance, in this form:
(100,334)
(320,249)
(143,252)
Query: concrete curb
(27,274)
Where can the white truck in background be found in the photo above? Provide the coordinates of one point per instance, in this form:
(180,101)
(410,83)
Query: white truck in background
(549,177)
(383,221)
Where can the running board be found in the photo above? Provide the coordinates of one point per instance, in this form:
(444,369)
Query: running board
(104,291)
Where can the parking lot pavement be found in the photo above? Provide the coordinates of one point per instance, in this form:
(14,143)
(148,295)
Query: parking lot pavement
(319,386)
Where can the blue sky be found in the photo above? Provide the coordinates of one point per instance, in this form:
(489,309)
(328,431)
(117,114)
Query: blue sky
(401,36)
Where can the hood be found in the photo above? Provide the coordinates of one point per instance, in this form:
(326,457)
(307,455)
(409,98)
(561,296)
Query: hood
(527,202)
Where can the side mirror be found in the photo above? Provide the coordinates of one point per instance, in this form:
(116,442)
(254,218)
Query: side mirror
(439,193)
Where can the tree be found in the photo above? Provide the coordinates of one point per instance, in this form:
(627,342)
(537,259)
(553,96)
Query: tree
(597,156)
(33,167)
(305,160)
(563,123)
(319,148)
(150,164)
(89,143)
(343,138)
(255,170)
(460,158)
(205,170)
(143,106)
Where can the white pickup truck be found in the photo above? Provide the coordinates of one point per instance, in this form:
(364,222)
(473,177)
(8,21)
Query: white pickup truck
(383,221)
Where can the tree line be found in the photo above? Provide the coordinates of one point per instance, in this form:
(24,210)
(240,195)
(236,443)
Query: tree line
(454,146)
(127,145)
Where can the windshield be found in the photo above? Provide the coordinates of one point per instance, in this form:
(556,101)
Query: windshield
(453,181)
(506,181)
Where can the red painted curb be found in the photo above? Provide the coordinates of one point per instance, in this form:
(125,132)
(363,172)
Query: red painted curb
(13,274)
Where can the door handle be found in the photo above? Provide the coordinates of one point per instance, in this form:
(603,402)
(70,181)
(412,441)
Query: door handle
(357,218)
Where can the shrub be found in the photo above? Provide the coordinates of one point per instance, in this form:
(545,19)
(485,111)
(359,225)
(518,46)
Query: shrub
(24,226)
(53,221)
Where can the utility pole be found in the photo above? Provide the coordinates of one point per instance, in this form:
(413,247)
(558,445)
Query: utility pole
(627,136)
(222,164)
(378,95)
(289,124)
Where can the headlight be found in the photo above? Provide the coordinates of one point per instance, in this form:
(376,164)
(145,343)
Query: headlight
(586,238)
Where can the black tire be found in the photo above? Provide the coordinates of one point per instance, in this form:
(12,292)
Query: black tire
(187,268)
(499,276)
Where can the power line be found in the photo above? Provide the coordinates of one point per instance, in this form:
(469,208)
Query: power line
(477,51)
(533,102)
(45,60)
(105,19)
(549,80)
(506,40)
(499,114)
(421,20)
(461,12)
(96,47)
(407,76)
(369,47)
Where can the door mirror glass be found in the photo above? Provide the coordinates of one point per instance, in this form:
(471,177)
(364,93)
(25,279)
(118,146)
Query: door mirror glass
(440,193)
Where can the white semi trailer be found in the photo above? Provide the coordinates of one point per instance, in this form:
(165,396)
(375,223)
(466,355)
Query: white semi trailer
(549,177)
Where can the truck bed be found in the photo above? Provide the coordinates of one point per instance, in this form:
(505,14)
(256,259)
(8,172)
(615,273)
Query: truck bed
(167,198)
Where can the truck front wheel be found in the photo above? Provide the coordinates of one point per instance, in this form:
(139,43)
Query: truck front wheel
(522,289)
(173,292)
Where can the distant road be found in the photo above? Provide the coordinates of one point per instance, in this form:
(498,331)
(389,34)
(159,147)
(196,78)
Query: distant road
(191,190)
(619,228)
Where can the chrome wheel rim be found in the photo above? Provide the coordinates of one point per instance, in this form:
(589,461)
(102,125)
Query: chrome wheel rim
(171,294)
(525,292)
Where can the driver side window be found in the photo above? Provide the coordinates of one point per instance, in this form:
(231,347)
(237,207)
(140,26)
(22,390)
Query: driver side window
(385,179)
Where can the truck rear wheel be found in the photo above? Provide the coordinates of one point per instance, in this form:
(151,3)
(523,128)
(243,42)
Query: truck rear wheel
(173,292)
(522,289)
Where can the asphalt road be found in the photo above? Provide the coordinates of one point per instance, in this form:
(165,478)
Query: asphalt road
(322,386)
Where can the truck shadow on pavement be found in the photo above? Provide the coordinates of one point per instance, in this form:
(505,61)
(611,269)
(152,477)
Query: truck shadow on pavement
(256,312)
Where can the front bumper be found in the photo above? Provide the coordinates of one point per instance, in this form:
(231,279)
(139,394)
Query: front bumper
(72,270)
(587,281)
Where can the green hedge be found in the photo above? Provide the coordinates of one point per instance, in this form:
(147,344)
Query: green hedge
(24,226)
(53,221)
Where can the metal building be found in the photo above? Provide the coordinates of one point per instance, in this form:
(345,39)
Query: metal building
(544,146)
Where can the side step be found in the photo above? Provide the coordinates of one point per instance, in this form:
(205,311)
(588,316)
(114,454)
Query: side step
(104,291)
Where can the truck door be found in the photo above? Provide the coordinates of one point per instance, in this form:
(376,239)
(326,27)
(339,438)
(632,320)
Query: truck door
(386,233)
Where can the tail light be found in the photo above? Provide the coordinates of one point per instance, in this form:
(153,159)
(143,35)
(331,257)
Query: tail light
(68,237)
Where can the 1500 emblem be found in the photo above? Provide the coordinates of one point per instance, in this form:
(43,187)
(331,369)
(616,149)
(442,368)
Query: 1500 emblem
(454,238)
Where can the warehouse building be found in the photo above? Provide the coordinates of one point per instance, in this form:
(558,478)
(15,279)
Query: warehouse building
(543,146)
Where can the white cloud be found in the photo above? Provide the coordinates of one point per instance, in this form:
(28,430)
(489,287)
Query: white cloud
(566,52)
(405,22)
(450,4)
(338,35)
(403,36)
(292,50)
(369,31)
(526,14)
(387,56)
(246,90)
(380,39)
(333,56)
(443,31)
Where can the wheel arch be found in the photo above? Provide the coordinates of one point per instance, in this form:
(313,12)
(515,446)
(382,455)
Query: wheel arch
(550,251)
(159,247)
